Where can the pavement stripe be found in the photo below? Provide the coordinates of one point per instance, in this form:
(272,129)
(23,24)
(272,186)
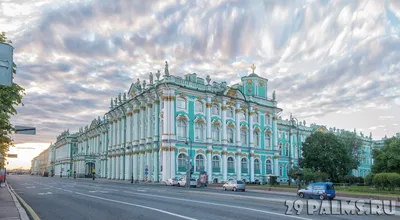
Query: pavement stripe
(218,204)
(140,206)
(27,207)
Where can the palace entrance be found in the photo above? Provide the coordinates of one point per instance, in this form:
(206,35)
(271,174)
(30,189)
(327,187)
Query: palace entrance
(90,166)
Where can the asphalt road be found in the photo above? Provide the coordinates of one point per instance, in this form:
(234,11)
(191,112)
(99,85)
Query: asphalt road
(55,198)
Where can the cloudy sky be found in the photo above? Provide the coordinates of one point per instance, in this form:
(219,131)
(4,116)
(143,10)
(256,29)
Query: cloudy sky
(334,63)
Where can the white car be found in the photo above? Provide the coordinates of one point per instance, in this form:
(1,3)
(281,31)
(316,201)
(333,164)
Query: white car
(171,182)
(182,182)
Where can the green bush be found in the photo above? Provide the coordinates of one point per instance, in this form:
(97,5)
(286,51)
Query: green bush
(368,179)
(386,180)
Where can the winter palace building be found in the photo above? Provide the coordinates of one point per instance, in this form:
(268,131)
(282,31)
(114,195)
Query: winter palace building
(228,131)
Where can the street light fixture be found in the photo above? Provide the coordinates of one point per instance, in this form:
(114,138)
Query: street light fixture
(189,163)
(296,126)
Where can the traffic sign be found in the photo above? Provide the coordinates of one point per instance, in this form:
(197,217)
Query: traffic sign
(146,173)
(146,169)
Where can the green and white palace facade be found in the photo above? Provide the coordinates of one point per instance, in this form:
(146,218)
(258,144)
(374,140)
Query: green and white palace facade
(228,131)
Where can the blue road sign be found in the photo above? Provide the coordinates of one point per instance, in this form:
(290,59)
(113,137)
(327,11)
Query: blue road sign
(146,173)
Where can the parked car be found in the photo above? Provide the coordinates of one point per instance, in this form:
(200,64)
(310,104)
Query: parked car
(172,182)
(323,190)
(234,185)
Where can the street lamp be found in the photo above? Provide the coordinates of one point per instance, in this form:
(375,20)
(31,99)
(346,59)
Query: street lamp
(189,163)
(128,148)
(297,140)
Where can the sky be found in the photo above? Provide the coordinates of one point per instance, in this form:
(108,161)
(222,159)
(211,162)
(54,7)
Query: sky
(333,63)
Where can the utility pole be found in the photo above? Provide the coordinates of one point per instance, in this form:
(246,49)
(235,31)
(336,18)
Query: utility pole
(189,163)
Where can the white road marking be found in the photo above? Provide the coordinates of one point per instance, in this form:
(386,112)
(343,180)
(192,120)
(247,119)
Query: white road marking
(47,193)
(103,191)
(219,204)
(136,205)
(92,191)
(45,188)
(30,187)
(141,190)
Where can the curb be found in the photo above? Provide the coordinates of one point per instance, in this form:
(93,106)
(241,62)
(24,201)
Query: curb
(23,208)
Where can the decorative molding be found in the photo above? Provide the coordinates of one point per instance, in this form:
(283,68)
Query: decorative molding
(164,148)
(261,83)
(162,115)
(129,114)
(243,107)
(257,129)
(208,105)
(224,153)
(217,123)
(251,155)
(156,102)
(244,155)
(251,113)
(215,152)
(249,81)
(148,151)
(182,118)
(238,110)
(216,102)
(172,149)
(200,121)
(182,150)
(230,154)
(208,151)
(231,125)
(223,108)
(199,98)
(267,113)
(232,93)
(256,110)
(276,157)
(143,108)
(268,131)
(238,154)
(149,105)
(230,103)
(200,151)
(275,118)
(257,156)
(182,95)
(243,127)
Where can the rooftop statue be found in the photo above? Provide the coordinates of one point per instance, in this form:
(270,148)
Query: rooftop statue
(124,96)
(144,84)
(138,86)
(166,71)
(158,74)
(208,79)
(112,104)
(119,97)
(151,78)
(273,96)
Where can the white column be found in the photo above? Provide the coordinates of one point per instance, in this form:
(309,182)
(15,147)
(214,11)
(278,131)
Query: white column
(156,140)
(238,165)
(172,117)
(224,165)
(142,118)
(252,166)
(276,160)
(223,110)
(209,164)
(237,119)
(208,118)
(128,155)
(172,160)
(155,165)
(164,164)
(149,123)
(121,167)
(251,127)
(114,134)
(114,167)
(141,165)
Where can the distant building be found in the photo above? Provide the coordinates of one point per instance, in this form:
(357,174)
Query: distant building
(229,131)
(39,164)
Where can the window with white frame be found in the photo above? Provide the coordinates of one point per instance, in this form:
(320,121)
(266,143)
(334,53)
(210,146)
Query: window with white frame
(216,132)
(268,167)
(199,131)
(256,118)
(229,112)
(280,149)
(267,120)
(256,137)
(256,166)
(243,136)
(242,115)
(287,149)
(244,164)
(267,140)
(182,129)
(200,162)
(199,106)
(230,135)
(287,169)
(281,170)
(215,109)
(181,161)
(181,103)
(231,163)
(215,162)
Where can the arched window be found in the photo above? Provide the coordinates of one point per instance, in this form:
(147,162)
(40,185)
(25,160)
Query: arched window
(281,170)
(230,133)
(199,162)
(229,112)
(215,164)
(182,162)
(280,149)
(244,165)
(243,136)
(181,103)
(287,149)
(182,129)
(231,165)
(257,166)
(199,131)
(216,133)
(256,136)
(267,141)
(268,167)
(199,107)
(215,109)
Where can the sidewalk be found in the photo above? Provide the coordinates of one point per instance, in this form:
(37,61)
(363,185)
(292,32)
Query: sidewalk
(10,208)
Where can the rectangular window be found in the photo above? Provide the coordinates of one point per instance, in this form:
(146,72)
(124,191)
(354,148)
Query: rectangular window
(181,103)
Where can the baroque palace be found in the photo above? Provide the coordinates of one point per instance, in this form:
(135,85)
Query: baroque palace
(228,131)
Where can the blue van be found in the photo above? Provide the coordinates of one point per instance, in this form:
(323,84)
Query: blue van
(322,191)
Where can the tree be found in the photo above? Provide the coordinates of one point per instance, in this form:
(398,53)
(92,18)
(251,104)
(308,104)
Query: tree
(353,145)
(387,159)
(10,96)
(324,152)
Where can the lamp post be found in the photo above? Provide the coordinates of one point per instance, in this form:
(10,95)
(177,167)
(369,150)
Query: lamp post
(128,148)
(189,163)
(290,140)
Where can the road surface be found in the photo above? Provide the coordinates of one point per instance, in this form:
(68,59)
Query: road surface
(56,198)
